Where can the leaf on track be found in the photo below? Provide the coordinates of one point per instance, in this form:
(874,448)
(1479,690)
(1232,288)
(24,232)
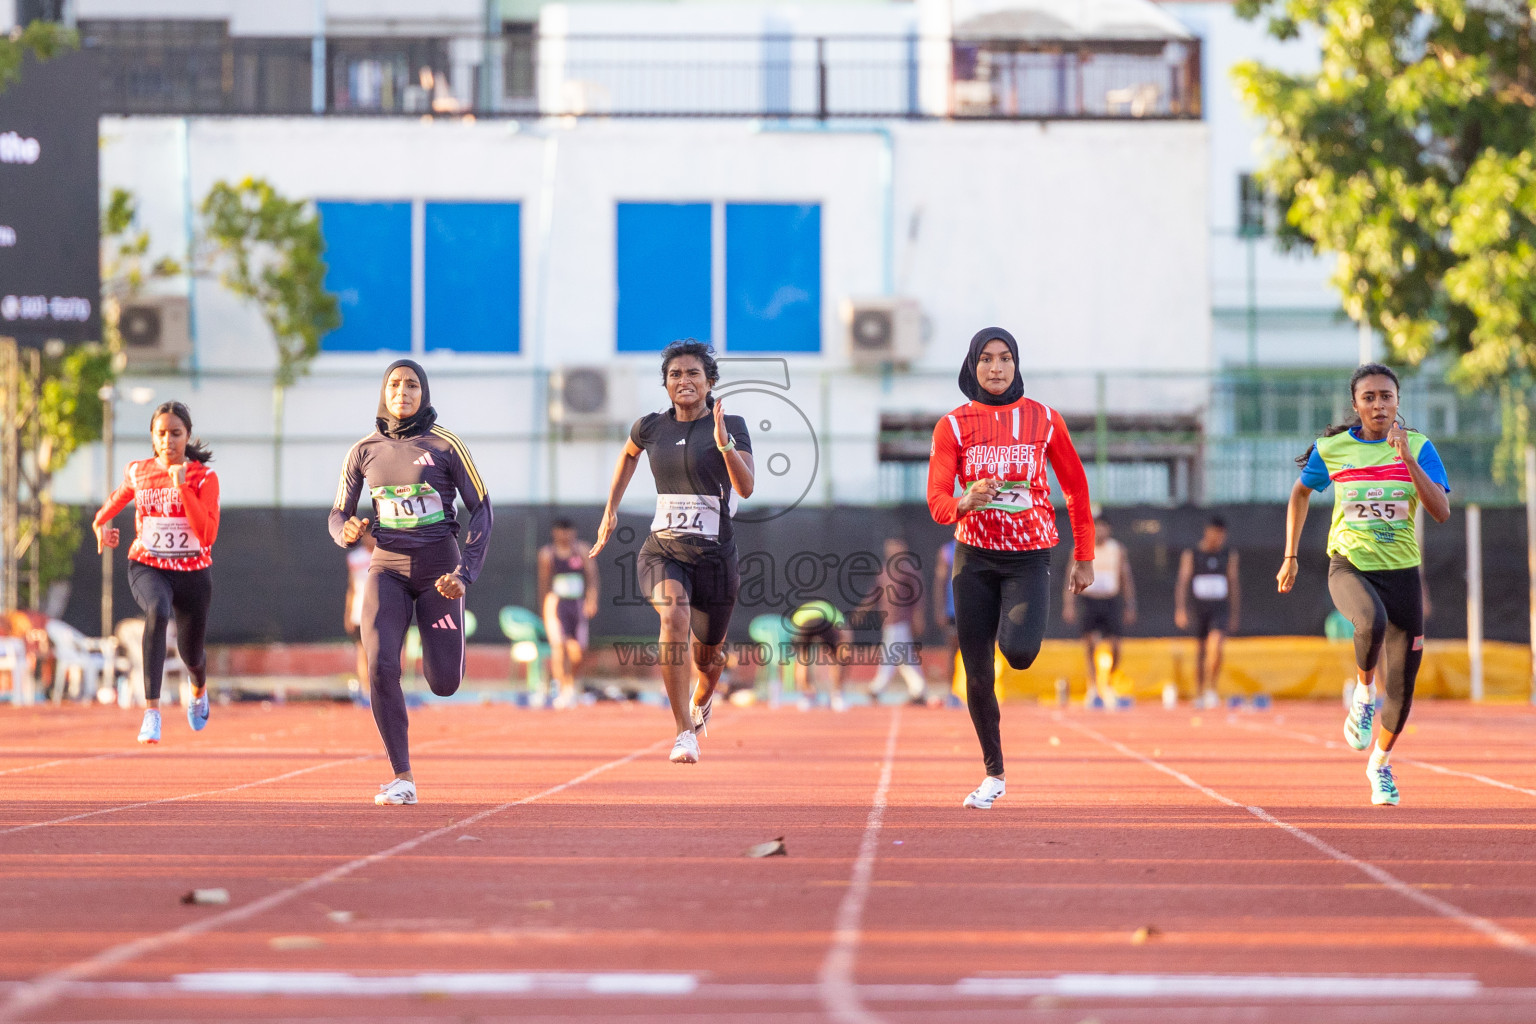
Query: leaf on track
(772,848)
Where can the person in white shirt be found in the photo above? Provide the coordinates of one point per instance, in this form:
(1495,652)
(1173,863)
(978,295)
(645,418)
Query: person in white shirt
(1109,604)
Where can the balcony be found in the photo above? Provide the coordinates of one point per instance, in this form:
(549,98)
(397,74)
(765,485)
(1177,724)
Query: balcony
(198,67)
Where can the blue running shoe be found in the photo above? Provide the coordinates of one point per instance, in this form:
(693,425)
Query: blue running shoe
(149,732)
(1383,786)
(1357,724)
(197,712)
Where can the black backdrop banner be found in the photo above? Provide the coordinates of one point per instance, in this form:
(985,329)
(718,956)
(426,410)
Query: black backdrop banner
(50,259)
(278,577)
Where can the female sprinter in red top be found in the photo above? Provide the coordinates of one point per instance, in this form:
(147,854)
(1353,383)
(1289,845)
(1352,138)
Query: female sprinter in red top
(176,521)
(997,446)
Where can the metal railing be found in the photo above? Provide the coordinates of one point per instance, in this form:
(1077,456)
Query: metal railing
(197,67)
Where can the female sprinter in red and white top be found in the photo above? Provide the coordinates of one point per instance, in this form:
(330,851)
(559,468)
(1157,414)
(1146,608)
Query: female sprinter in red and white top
(176,521)
(996,446)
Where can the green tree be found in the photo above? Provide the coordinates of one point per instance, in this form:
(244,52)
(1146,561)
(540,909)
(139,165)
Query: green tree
(271,251)
(1411,156)
(42,40)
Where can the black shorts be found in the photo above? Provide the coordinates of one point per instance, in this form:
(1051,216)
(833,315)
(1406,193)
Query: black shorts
(826,634)
(1210,617)
(708,575)
(572,620)
(1102,615)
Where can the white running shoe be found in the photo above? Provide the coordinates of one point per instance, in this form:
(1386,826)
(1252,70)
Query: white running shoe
(686,749)
(701,715)
(396,792)
(1359,722)
(149,732)
(838,703)
(984,794)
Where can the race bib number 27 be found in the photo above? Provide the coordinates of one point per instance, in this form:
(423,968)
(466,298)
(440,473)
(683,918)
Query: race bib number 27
(1012,496)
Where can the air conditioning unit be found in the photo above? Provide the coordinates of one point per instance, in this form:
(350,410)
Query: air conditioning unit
(587,398)
(882,331)
(156,330)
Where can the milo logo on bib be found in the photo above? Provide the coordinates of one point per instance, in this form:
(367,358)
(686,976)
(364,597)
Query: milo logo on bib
(407,506)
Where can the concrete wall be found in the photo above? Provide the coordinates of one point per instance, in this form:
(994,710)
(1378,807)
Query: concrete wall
(1087,240)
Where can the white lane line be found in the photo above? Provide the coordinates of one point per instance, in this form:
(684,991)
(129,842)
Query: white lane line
(1336,745)
(1503,936)
(839,991)
(184,796)
(472,983)
(67,760)
(244,785)
(45,989)
(1391,988)
(1223,986)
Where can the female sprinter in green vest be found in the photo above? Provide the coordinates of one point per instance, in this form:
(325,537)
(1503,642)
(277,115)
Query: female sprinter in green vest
(1382,473)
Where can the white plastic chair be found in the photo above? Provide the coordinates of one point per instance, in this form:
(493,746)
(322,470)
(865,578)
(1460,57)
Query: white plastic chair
(13,659)
(79,662)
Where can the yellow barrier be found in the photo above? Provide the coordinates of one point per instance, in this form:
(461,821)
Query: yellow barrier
(1285,667)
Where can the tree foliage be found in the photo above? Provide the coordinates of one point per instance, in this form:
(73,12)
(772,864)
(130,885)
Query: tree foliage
(41,39)
(1411,156)
(272,252)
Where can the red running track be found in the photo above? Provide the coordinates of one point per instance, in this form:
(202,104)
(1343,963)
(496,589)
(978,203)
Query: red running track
(560,869)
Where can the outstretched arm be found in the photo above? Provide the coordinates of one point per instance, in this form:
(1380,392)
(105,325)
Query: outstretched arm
(623,472)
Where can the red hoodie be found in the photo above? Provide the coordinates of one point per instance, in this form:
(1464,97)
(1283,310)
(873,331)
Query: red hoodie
(1011,443)
(174,528)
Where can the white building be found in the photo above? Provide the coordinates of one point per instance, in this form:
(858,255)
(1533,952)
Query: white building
(1067,201)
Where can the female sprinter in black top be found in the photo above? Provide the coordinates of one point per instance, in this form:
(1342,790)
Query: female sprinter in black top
(702,460)
(414,470)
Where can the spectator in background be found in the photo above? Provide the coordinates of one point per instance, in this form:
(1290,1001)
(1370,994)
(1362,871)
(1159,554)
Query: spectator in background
(31,628)
(1208,584)
(1108,605)
(359,558)
(567,602)
(818,635)
(897,597)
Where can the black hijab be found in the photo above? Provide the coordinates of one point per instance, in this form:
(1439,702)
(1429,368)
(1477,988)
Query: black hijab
(972,387)
(420,421)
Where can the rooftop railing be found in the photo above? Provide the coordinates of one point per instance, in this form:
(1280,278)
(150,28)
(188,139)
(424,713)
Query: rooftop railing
(197,67)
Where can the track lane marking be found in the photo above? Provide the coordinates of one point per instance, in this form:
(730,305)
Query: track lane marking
(1336,745)
(45,989)
(836,986)
(66,760)
(1502,936)
(244,785)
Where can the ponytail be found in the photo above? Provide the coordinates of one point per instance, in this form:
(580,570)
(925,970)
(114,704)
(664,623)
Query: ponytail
(1362,371)
(196,450)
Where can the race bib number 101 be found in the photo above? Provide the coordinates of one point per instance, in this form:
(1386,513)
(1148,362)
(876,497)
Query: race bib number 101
(407,506)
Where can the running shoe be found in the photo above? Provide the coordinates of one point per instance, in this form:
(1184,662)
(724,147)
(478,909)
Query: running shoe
(396,792)
(837,703)
(1383,785)
(989,790)
(197,712)
(149,732)
(1357,724)
(701,715)
(686,749)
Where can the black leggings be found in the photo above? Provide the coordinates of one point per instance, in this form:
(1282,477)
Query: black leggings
(398,587)
(1386,607)
(184,594)
(1001,597)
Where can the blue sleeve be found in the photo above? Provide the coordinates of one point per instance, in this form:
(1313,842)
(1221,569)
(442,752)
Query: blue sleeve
(1315,473)
(1429,462)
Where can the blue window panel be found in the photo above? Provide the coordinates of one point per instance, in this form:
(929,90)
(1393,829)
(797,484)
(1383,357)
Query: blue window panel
(664,258)
(773,277)
(473,277)
(368,269)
